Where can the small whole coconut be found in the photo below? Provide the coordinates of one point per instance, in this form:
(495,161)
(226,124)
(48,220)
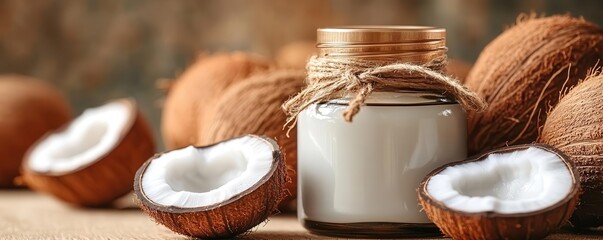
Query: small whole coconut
(253,106)
(521,73)
(296,54)
(193,95)
(575,126)
(28,109)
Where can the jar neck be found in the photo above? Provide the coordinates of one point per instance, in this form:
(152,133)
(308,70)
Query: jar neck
(384,53)
(399,97)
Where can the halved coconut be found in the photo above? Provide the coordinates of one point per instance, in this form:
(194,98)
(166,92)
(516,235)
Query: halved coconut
(518,192)
(219,190)
(92,160)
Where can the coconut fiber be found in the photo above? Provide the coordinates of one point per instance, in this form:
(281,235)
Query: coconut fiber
(521,74)
(575,126)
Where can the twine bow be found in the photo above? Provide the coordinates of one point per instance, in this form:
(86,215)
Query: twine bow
(330,78)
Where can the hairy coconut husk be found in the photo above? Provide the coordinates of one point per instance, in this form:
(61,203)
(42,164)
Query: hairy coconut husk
(575,126)
(223,219)
(296,54)
(253,106)
(194,94)
(492,225)
(521,73)
(29,108)
(107,178)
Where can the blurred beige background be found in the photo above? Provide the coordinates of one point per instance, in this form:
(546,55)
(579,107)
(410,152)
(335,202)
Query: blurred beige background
(100,50)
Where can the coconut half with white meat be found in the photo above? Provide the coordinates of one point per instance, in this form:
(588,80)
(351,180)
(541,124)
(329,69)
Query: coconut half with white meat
(517,192)
(214,191)
(92,160)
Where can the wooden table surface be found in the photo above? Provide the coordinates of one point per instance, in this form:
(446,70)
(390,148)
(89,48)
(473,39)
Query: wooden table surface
(28,215)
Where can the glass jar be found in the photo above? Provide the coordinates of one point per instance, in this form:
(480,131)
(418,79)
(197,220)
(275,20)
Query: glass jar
(360,178)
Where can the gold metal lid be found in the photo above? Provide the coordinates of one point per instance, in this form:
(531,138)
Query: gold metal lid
(409,43)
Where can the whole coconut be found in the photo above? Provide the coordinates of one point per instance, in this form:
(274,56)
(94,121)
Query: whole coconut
(29,108)
(575,126)
(521,73)
(194,94)
(296,54)
(253,106)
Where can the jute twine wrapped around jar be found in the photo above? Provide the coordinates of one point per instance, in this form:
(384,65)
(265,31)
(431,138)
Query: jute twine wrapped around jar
(331,78)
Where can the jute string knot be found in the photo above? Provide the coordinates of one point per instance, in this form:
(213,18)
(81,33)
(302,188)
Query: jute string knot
(330,78)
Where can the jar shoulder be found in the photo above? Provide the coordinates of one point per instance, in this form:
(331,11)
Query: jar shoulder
(404,97)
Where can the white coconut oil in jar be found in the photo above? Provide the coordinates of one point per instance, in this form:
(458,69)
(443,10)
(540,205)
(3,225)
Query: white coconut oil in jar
(360,178)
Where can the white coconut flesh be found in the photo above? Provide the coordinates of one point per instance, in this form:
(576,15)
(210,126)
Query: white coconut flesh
(85,140)
(197,177)
(521,181)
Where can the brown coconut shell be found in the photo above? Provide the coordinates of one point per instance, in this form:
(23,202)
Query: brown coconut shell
(493,226)
(575,126)
(106,179)
(253,106)
(296,54)
(29,108)
(193,95)
(521,74)
(224,219)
